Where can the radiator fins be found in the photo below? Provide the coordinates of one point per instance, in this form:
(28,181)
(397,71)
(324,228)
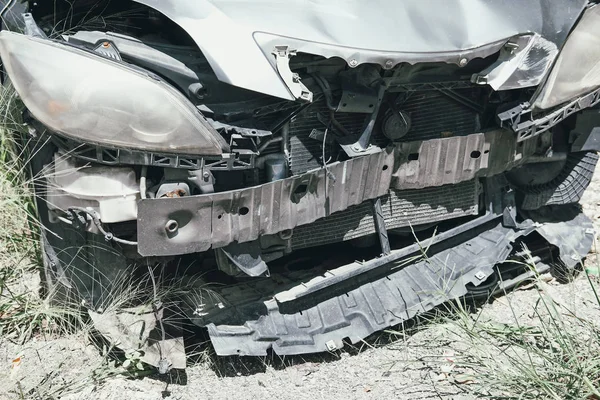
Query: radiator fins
(433,116)
(305,152)
(400,208)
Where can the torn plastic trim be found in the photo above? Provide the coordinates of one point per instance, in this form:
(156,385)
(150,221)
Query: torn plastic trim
(522,121)
(233,129)
(141,329)
(321,323)
(573,244)
(116,156)
(524,61)
(292,80)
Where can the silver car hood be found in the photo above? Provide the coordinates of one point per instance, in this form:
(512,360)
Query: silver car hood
(238,36)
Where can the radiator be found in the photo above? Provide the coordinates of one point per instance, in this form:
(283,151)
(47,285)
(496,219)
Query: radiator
(305,152)
(400,209)
(433,115)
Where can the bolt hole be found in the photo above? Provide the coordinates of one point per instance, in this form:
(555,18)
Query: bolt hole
(413,157)
(344,104)
(286,234)
(486,152)
(244,211)
(172,226)
(475,154)
(220,216)
(371,106)
(385,167)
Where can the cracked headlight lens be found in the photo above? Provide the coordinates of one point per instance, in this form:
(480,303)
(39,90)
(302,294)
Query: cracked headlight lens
(577,70)
(91,99)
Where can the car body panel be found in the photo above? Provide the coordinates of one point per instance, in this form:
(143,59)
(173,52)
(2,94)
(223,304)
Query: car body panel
(411,30)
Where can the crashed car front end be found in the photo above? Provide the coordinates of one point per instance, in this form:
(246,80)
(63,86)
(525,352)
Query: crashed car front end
(276,153)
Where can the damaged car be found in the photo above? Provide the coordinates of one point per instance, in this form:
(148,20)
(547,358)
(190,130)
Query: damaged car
(317,170)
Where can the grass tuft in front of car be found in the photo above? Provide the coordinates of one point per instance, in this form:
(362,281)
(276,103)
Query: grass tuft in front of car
(532,343)
(22,310)
(29,312)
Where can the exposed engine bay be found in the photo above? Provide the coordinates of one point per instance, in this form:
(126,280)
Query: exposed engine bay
(326,179)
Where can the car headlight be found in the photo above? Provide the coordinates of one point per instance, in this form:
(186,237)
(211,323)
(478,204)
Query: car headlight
(91,99)
(577,70)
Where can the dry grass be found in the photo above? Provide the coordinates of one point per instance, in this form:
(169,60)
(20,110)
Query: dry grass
(553,353)
(22,311)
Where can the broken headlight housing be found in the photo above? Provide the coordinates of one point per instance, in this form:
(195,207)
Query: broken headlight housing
(92,99)
(577,70)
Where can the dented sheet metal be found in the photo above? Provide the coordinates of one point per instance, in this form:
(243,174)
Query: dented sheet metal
(457,159)
(243,215)
(385,32)
(216,220)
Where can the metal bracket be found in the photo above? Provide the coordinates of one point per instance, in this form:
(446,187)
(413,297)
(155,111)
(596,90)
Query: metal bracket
(509,213)
(362,146)
(511,118)
(108,50)
(380,227)
(31,27)
(245,258)
(357,150)
(292,80)
(357,99)
(509,217)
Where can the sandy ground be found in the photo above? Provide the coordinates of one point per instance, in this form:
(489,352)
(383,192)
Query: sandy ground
(403,369)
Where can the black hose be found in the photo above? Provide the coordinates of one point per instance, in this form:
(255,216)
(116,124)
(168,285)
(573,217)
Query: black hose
(326,89)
